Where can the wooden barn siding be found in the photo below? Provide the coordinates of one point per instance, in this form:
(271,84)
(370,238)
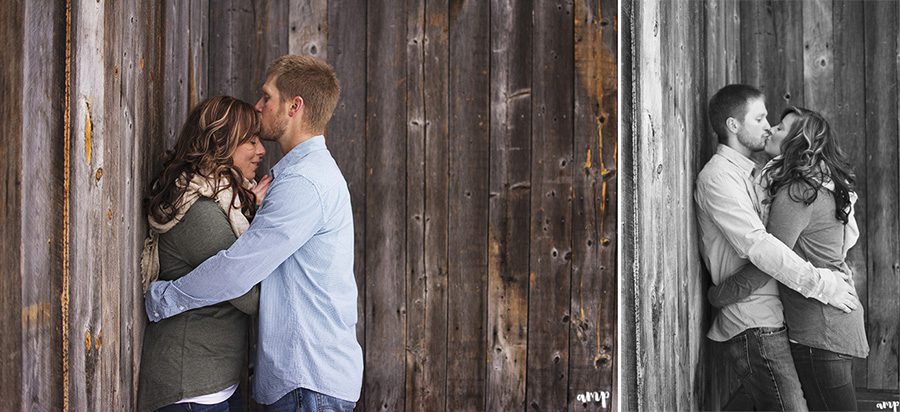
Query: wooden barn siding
(84,81)
(484,126)
(839,57)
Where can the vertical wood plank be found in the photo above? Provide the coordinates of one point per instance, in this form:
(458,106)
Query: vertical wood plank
(628,360)
(87,159)
(722,41)
(510,197)
(308,23)
(469,116)
(732,23)
(198,53)
(648,120)
(108,335)
(849,126)
(552,197)
(427,198)
(660,292)
(437,192)
(41,242)
(418,366)
(271,41)
(593,308)
(771,47)
(230,45)
(385,234)
(788,60)
(12,39)
(882,148)
(346,132)
(185,57)
(818,57)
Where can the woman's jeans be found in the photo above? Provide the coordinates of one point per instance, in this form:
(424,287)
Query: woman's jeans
(826,378)
(306,400)
(762,359)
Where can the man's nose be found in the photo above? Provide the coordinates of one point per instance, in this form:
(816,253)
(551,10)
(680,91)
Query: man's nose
(258,106)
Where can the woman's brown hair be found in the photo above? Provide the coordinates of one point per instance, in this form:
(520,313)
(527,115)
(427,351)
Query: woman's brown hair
(210,135)
(810,158)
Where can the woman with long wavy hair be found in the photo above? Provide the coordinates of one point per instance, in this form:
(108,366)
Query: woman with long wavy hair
(201,202)
(811,186)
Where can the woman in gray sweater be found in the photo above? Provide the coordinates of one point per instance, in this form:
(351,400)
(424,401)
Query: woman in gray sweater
(810,184)
(201,202)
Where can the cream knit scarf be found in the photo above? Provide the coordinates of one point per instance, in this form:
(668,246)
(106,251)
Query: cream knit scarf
(193,190)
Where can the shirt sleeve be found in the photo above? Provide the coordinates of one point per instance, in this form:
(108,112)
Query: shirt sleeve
(291,214)
(731,209)
(211,233)
(737,286)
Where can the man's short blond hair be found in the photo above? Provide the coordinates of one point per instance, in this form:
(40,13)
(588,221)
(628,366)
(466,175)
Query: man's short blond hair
(313,80)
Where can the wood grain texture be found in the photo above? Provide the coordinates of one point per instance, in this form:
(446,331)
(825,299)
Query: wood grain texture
(818,57)
(628,361)
(114,363)
(386,117)
(510,208)
(441,143)
(12,39)
(346,133)
(552,199)
(233,48)
(41,243)
(882,199)
(308,25)
(849,127)
(427,204)
(271,40)
(593,302)
(469,128)
(87,156)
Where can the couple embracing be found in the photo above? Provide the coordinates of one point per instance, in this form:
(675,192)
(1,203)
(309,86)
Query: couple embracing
(775,239)
(223,248)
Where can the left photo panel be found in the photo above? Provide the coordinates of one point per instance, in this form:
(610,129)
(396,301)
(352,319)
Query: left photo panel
(370,206)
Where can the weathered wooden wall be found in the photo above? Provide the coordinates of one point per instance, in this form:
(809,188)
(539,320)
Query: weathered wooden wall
(838,57)
(81,125)
(478,140)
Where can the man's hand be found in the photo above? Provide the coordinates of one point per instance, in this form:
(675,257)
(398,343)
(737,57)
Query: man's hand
(842,295)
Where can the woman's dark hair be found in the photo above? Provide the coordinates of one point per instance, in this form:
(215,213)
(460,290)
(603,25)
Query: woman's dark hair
(810,157)
(210,135)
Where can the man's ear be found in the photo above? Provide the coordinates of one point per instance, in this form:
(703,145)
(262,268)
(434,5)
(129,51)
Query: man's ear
(732,125)
(296,106)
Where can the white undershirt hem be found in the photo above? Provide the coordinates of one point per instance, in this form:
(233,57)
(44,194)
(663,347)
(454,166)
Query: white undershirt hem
(213,398)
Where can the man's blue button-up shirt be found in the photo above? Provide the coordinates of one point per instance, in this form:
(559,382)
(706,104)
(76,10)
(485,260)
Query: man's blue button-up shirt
(300,245)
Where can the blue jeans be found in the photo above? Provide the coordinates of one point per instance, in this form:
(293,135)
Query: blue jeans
(304,400)
(826,378)
(762,359)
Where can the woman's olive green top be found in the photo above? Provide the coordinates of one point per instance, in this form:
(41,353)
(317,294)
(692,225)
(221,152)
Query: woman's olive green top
(201,351)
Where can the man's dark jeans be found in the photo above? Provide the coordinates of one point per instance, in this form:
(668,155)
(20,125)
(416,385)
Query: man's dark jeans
(826,378)
(306,400)
(762,359)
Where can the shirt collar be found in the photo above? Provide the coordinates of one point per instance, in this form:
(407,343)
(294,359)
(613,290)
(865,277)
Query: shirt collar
(300,151)
(736,158)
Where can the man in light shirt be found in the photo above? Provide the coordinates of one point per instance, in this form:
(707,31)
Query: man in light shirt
(731,214)
(300,246)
